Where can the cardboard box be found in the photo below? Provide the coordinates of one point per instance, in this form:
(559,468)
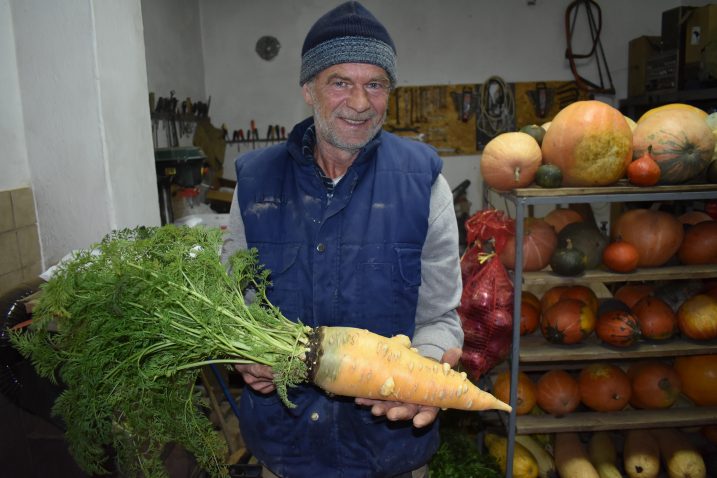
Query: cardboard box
(673,27)
(662,73)
(700,31)
(639,52)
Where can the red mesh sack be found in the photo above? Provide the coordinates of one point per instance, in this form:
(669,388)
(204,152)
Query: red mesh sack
(486,313)
(490,225)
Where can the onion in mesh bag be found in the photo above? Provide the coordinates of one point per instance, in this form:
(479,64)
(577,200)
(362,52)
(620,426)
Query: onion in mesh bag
(486,317)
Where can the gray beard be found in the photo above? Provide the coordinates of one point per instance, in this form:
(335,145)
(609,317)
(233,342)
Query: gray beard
(326,132)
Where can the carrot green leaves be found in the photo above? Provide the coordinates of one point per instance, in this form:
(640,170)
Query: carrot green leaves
(126,326)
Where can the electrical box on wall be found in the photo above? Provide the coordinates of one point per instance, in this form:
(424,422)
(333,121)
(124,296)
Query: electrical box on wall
(700,38)
(700,31)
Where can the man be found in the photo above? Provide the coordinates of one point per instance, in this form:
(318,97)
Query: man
(358,229)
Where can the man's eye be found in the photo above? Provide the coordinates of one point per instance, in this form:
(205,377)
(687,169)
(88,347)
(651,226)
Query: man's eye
(375,85)
(339,83)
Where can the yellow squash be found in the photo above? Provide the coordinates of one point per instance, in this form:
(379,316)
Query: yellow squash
(641,454)
(524,464)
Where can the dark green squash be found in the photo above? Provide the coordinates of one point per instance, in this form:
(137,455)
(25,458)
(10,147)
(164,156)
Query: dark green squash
(549,176)
(585,237)
(568,261)
(537,132)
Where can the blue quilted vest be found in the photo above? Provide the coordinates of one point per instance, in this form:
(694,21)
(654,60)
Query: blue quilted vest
(352,259)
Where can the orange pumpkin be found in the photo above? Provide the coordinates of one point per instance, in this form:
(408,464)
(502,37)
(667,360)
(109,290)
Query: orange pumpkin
(698,374)
(699,245)
(644,171)
(575,291)
(694,217)
(657,235)
(617,328)
(551,296)
(654,384)
(604,387)
(679,141)
(590,142)
(530,298)
(655,317)
(584,293)
(529,318)
(567,322)
(557,393)
(561,217)
(539,242)
(697,317)
(631,292)
(526,394)
(510,160)
(621,256)
(674,106)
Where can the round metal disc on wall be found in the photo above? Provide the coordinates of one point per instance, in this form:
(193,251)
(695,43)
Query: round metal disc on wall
(267,47)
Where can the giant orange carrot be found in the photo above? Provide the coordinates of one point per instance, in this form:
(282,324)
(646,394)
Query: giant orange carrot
(359,363)
(127,325)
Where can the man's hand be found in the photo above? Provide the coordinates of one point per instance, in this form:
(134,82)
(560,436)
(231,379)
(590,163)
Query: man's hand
(420,414)
(259,377)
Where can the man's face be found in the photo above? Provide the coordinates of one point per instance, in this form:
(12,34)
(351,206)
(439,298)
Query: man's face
(350,102)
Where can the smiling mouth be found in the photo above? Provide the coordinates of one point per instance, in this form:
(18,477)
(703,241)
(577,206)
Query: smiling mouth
(355,122)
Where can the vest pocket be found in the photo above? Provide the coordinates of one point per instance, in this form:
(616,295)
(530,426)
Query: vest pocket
(284,291)
(409,266)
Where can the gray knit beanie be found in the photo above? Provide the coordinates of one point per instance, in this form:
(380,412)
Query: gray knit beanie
(347,34)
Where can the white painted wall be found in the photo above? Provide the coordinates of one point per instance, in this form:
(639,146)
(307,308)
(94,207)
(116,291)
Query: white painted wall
(15,168)
(83,89)
(173,46)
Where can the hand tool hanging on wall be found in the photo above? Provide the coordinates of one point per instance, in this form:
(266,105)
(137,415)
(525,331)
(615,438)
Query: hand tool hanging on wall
(595,25)
(542,98)
(568,93)
(467,105)
(238,138)
(172,119)
(253,134)
(200,109)
(269,135)
(465,102)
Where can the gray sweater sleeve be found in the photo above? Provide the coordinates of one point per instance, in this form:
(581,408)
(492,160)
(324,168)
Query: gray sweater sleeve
(438,327)
(234,239)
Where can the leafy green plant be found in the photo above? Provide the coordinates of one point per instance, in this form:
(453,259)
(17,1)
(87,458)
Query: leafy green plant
(459,456)
(126,326)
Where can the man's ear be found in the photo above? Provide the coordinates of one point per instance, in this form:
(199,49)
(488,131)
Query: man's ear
(307,94)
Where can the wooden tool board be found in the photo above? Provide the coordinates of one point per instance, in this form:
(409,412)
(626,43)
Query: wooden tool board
(448,117)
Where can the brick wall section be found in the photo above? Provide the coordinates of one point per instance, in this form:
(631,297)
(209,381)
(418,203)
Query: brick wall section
(19,239)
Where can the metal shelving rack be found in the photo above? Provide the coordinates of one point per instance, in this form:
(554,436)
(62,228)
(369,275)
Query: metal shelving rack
(621,192)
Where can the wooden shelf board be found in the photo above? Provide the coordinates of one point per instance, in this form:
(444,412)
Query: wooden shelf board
(535,349)
(625,419)
(547,277)
(622,187)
